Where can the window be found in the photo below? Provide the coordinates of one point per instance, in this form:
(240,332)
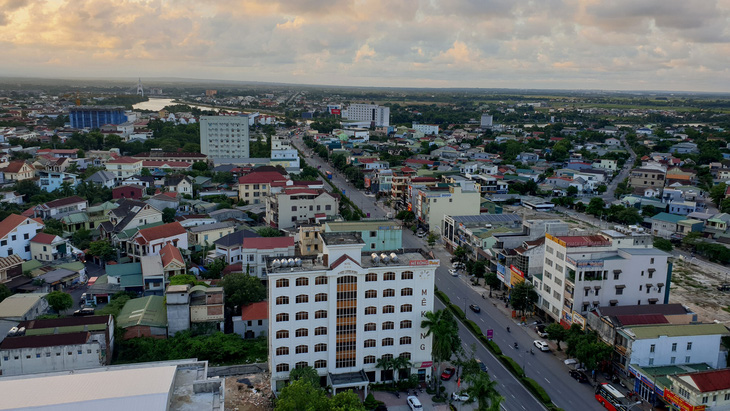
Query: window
(320,364)
(282,351)
(673,360)
(369,343)
(705,399)
(302,315)
(689,346)
(406,324)
(389,276)
(327,207)
(389,292)
(282,317)
(405,355)
(406,308)
(320,314)
(370,359)
(282,300)
(320,331)
(652,348)
(302,332)
(371,277)
(301,364)
(406,275)
(301,349)
(406,292)
(302,299)
(320,297)
(619,291)
(388,325)
(386,342)
(674,347)
(651,361)
(282,282)
(686,359)
(282,367)
(371,294)
(302,282)
(321,280)
(727,397)
(320,347)
(294,208)
(370,327)
(282,334)
(370,310)
(389,309)
(405,340)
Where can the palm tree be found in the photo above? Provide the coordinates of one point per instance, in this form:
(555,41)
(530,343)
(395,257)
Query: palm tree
(399,363)
(442,326)
(385,363)
(483,390)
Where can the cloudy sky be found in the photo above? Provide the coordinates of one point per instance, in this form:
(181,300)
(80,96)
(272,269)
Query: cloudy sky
(568,44)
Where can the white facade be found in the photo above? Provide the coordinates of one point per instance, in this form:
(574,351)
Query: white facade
(386,304)
(285,210)
(663,345)
(20,361)
(427,129)
(17,240)
(377,115)
(224,136)
(486,121)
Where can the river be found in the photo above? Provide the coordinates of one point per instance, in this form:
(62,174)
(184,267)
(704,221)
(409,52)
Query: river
(157,104)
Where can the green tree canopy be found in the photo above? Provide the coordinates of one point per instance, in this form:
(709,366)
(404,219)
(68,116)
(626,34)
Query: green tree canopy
(241,289)
(557,333)
(269,232)
(59,301)
(308,374)
(4,292)
(102,249)
(483,390)
(523,296)
(168,214)
(663,244)
(442,325)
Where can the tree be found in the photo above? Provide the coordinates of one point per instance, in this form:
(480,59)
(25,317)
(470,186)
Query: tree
(59,301)
(241,289)
(460,253)
(602,188)
(431,240)
(4,292)
(406,216)
(269,232)
(102,249)
(484,391)
(663,244)
(214,269)
(572,190)
(492,281)
(308,374)
(168,214)
(477,269)
(200,166)
(81,239)
(442,325)
(146,172)
(53,227)
(725,206)
(557,333)
(596,206)
(301,395)
(717,193)
(385,364)
(182,279)
(649,211)
(523,296)
(400,363)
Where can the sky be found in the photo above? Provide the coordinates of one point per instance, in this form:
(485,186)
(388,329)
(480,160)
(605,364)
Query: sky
(681,45)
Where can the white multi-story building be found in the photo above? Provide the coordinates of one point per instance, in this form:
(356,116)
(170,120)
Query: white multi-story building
(124,167)
(251,251)
(486,121)
(427,129)
(581,272)
(295,205)
(224,136)
(16,231)
(378,116)
(340,312)
(53,352)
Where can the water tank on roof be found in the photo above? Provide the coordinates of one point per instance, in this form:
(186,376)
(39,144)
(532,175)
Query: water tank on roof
(298,262)
(393,257)
(375,258)
(276,263)
(291,262)
(385,258)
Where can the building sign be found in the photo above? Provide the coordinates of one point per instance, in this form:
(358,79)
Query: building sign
(567,317)
(584,263)
(555,239)
(579,319)
(490,333)
(679,402)
(336,111)
(500,273)
(425,364)
(516,276)
(416,263)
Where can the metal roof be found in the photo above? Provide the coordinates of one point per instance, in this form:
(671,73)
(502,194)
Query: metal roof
(488,218)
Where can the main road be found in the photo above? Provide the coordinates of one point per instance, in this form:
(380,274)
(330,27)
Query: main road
(545,368)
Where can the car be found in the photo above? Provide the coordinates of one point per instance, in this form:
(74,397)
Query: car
(448,373)
(475,308)
(454,272)
(458,265)
(540,330)
(460,396)
(421,234)
(481,365)
(83,312)
(414,404)
(579,376)
(541,345)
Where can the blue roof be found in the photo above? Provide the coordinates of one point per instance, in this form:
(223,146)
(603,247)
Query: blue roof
(670,218)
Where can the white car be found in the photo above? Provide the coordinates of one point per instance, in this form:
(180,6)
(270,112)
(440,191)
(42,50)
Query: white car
(460,396)
(454,272)
(541,345)
(414,404)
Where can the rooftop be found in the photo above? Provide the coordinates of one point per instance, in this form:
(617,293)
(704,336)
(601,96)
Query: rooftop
(48,340)
(341,238)
(584,240)
(709,381)
(655,331)
(148,311)
(18,304)
(255,311)
(363,225)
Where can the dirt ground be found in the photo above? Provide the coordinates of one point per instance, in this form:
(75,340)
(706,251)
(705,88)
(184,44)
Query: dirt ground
(248,393)
(696,288)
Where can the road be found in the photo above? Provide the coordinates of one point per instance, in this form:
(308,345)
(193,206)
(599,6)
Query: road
(608,196)
(545,368)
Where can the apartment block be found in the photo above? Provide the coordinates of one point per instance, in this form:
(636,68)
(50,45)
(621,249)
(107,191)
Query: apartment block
(378,116)
(297,205)
(433,203)
(647,177)
(224,136)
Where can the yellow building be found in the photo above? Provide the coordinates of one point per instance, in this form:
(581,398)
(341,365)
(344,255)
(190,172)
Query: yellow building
(206,234)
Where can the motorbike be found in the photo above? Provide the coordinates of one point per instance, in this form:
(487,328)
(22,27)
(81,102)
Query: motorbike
(516,346)
(508,330)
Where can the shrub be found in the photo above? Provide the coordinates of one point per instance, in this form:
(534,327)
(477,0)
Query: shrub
(438,399)
(370,402)
(512,365)
(474,327)
(442,295)
(537,389)
(493,347)
(457,312)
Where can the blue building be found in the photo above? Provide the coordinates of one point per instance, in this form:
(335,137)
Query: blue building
(96,116)
(378,235)
(52,180)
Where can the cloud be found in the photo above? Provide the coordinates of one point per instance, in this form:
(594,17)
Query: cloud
(462,43)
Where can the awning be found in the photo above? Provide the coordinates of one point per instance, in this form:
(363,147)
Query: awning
(588,287)
(649,285)
(660,285)
(653,300)
(424,364)
(613,301)
(620,286)
(597,287)
(617,271)
(651,270)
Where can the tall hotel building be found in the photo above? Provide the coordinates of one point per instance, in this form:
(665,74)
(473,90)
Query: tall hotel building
(224,136)
(378,116)
(342,310)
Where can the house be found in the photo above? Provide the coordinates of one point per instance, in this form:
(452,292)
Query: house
(131,191)
(130,214)
(647,177)
(125,277)
(205,235)
(605,164)
(612,141)
(682,207)
(665,225)
(179,184)
(699,390)
(102,178)
(168,199)
(295,205)
(124,167)
(194,220)
(90,219)
(149,241)
(11,267)
(10,197)
(173,262)
(251,250)
(49,247)
(18,170)
(61,207)
(254,320)
(21,307)
(684,148)
(29,354)
(256,186)
(53,180)
(15,234)
(197,306)
(144,317)
(153,275)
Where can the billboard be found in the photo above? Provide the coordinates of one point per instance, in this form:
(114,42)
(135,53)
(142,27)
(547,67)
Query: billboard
(336,111)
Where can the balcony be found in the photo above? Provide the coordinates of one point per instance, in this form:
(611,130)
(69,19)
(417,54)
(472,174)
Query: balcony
(593,276)
(570,276)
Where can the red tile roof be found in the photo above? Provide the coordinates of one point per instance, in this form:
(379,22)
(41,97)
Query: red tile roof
(43,238)
(64,202)
(255,311)
(161,231)
(264,243)
(123,160)
(714,380)
(170,253)
(642,319)
(261,177)
(161,163)
(585,240)
(50,340)
(10,222)
(14,166)
(341,260)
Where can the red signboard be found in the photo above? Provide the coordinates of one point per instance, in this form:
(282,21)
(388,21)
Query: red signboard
(336,111)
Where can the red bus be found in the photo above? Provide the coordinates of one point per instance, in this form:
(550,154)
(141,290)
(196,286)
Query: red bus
(610,397)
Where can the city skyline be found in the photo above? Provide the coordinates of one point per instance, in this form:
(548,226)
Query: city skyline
(571,44)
